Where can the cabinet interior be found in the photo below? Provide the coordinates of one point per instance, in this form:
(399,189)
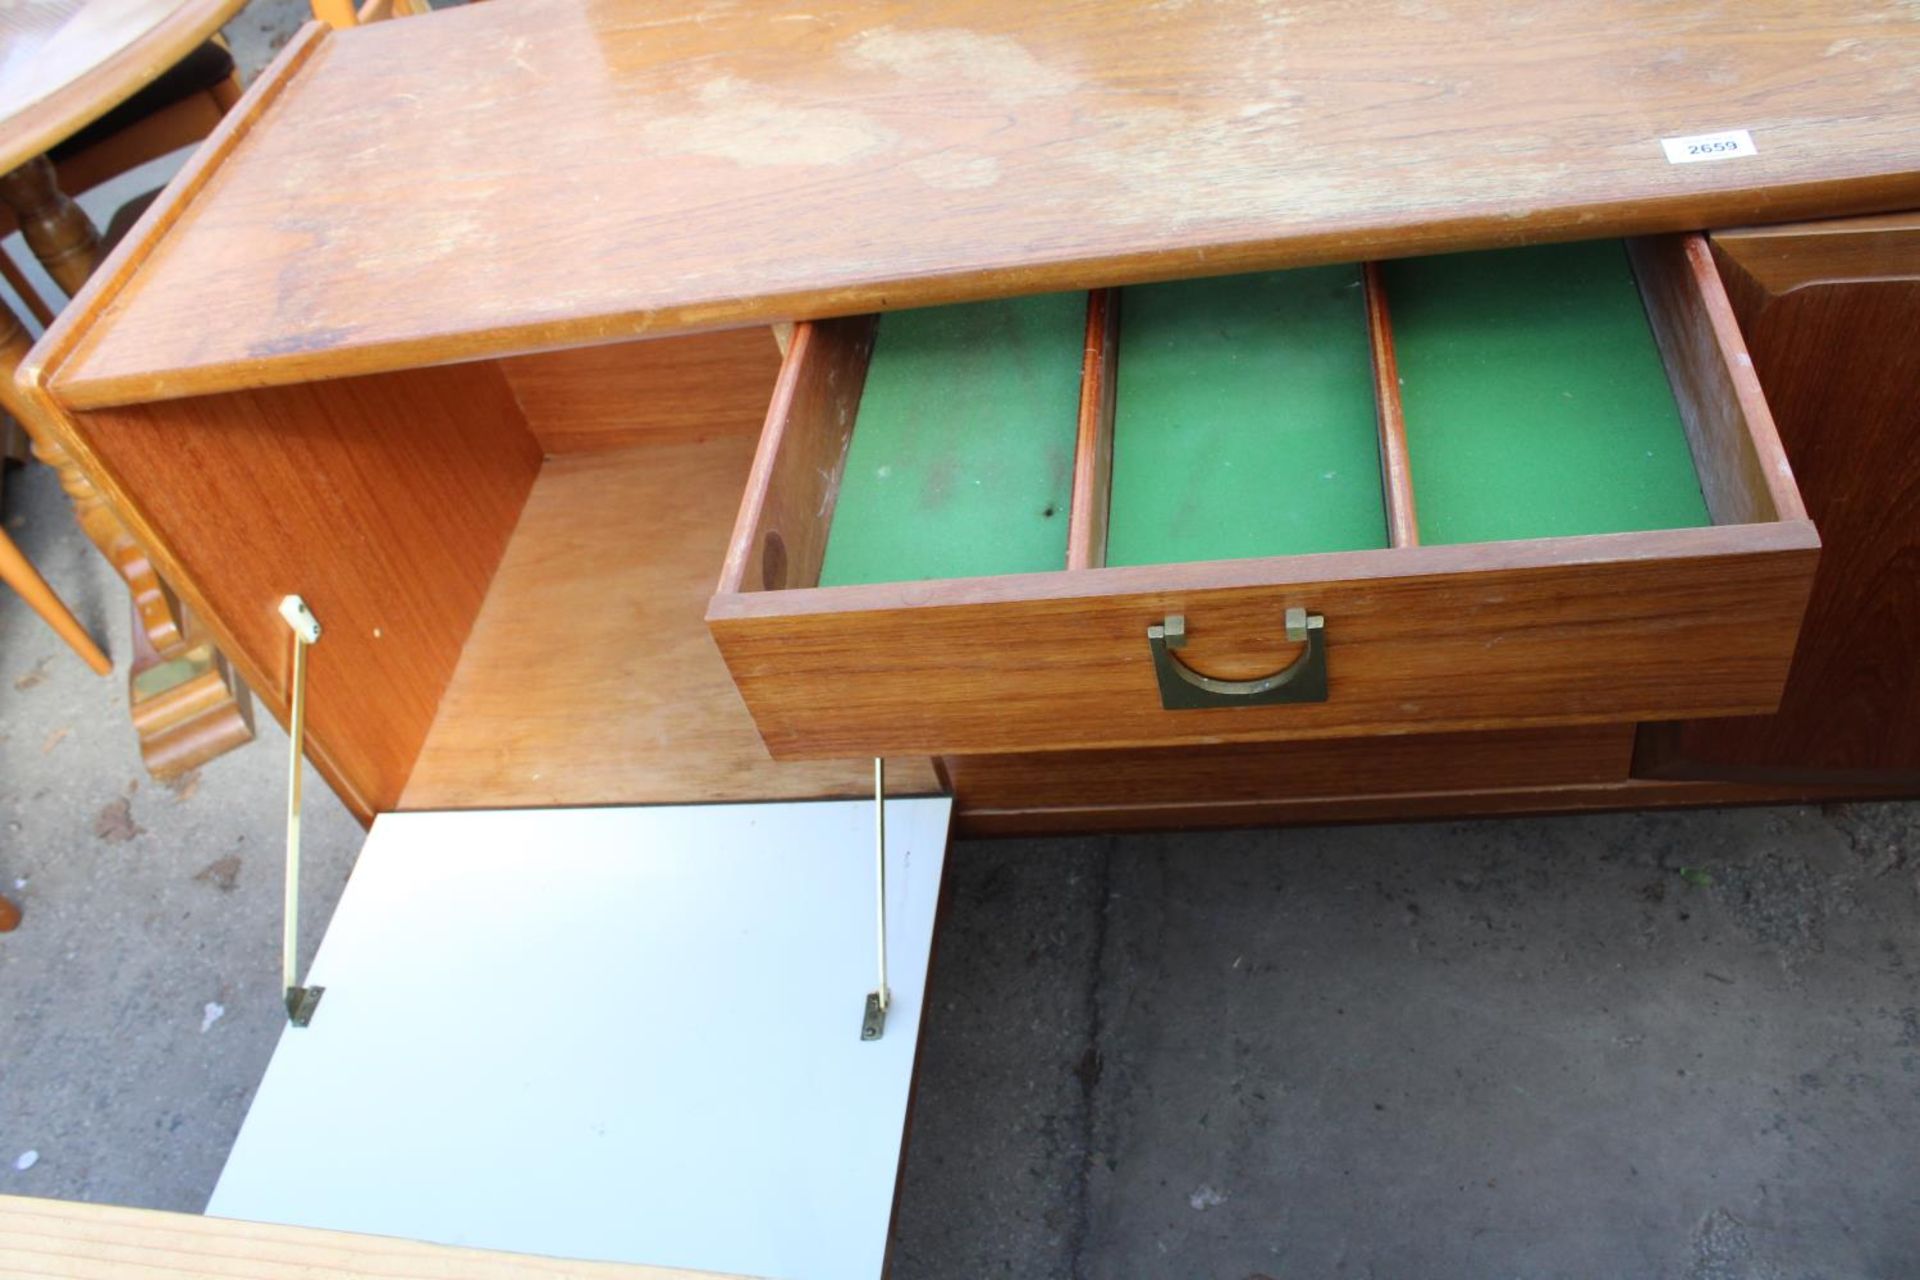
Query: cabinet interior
(510,560)
(588,676)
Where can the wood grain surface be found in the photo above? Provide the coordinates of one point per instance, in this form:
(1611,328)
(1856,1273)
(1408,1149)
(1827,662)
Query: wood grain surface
(726,166)
(589,677)
(610,397)
(180,723)
(1793,255)
(1743,470)
(1555,631)
(191,482)
(1831,313)
(167,130)
(1093,444)
(384,501)
(1396,468)
(66,1240)
(780,537)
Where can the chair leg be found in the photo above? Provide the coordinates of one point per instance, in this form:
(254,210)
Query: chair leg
(227,92)
(337,14)
(24,578)
(58,231)
(17,281)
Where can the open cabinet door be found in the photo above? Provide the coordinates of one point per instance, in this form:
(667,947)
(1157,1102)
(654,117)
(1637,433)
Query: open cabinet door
(614,1034)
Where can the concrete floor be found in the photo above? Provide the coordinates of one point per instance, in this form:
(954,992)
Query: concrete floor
(1679,1045)
(1676,1045)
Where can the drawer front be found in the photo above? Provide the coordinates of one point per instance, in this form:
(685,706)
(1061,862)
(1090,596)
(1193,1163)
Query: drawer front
(1650,624)
(1611,628)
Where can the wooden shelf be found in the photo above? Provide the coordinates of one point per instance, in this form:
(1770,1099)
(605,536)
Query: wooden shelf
(589,677)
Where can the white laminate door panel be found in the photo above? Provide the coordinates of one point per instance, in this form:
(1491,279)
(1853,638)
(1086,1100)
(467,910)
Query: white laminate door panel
(624,1034)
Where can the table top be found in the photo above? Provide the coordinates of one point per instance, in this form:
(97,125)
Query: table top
(512,177)
(66,63)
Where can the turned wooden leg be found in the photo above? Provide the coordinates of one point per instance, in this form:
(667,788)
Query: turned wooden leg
(187,706)
(56,229)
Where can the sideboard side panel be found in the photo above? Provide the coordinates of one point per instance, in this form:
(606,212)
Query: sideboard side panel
(385,501)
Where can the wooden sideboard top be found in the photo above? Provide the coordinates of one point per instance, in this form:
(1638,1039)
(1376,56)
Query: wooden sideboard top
(511,177)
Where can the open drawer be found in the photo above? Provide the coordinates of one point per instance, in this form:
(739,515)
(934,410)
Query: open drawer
(1453,493)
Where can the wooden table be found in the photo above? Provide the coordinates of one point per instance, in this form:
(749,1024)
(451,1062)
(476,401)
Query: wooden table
(63,65)
(66,63)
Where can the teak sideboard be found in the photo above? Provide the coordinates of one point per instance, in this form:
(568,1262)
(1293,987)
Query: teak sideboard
(458,329)
(542,347)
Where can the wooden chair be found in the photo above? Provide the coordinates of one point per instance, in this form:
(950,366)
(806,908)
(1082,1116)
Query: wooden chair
(15,571)
(178,723)
(177,109)
(342,13)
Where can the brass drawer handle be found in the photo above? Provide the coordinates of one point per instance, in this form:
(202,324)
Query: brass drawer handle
(1184,689)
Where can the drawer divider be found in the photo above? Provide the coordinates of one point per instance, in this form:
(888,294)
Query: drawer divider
(1093,445)
(1396,467)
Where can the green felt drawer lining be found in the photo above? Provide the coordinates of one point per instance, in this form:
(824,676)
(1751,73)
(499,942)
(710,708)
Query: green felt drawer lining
(1536,405)
(1536,401)
(1244,420)
(961,462)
